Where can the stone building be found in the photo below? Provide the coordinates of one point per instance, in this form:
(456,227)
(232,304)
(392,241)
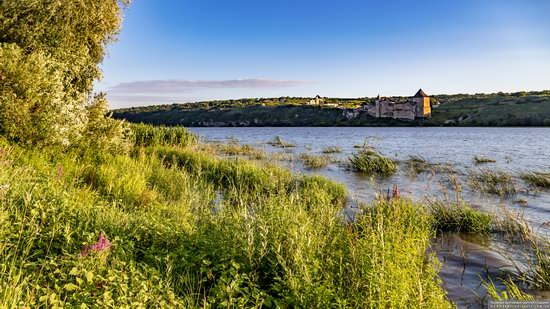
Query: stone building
(318,100)
(416,107)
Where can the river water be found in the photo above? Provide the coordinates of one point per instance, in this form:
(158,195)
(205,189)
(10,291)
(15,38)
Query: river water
(465,261)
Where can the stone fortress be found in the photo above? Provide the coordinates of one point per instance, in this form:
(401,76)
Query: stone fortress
(408,108)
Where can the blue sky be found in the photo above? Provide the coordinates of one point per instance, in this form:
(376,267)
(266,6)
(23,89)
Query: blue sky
(193,50)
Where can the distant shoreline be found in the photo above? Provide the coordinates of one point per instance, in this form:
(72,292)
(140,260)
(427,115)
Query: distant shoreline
(525,109)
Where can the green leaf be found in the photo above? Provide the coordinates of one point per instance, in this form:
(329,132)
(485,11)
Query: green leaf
(73,272)
(89,276)
(71,287)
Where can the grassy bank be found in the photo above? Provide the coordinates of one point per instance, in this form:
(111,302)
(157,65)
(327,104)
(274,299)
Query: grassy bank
(186,228)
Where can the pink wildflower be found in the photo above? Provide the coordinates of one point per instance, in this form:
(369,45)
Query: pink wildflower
(396,194)
(102,244)
(59,172)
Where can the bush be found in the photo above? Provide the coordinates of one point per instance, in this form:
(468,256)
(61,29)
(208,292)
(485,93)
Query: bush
(49,59)
(34,110)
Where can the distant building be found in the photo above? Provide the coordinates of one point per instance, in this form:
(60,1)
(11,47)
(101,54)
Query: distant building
(318,100)
(416,107)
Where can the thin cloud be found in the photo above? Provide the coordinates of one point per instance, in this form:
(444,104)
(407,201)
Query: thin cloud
(186,86)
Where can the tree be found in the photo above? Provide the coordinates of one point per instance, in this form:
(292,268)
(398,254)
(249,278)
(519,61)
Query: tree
(50,51)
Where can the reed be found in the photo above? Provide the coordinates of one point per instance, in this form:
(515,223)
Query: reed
(537,179)
(332,149)
(279,142)
(483,159)
(369,162)
(314,162)
(494,182)
(459,217)
(148,135)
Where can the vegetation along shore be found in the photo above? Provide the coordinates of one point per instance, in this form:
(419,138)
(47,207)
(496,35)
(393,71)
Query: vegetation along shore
(497,109)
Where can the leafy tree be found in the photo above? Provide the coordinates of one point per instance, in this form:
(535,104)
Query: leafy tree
(50,51)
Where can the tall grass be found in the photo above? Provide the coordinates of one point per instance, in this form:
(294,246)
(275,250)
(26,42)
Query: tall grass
(459,217)
(332,149)
(189,229)
(537,179)
(314,162)
(148,135)
(279,142)
(368,161)
(494,182)
(483,159)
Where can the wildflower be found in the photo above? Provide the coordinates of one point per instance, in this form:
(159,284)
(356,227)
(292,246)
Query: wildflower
(60,172)
(102,244)
(396,194)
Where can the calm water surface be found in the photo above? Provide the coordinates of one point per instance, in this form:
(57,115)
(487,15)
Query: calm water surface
(466,261)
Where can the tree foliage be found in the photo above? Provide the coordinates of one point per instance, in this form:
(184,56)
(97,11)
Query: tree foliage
(50,51)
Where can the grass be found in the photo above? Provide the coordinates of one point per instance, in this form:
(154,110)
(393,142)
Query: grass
(279,142)
(332,149)
(234,148)
(416,165)
(483,159)
(513,226)
(537,179)
(190,229)
(494,182)
(369,162)
(459,217)
(146,135)
(512,292)
(315,162)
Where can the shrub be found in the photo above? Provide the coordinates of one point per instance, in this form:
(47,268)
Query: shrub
(49,59)
(34,110)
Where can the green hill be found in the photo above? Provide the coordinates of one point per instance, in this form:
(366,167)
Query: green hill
(499,109)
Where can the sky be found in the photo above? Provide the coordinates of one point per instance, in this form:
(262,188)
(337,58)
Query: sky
(176,51)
